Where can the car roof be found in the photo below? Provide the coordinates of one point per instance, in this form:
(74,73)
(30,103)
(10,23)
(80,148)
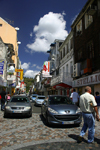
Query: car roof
(58,95)
(19,96)
(41,95)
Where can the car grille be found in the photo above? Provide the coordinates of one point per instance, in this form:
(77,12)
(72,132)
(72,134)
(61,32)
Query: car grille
(66,117)
(18,108)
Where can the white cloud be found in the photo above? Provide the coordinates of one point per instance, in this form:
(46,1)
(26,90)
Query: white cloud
(30,73)
(73,19)
(39,67)
(50,27)
(27,51)
(25,66)
(33,65)
(31,34)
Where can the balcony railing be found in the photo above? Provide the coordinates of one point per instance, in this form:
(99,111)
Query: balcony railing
(62,78)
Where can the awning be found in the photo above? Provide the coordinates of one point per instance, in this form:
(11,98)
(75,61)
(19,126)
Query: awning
(48,51)
(62,86)
(52,44)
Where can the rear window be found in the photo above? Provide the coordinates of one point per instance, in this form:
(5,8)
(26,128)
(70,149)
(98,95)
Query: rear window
(59,100)
(19,99)
(41,97)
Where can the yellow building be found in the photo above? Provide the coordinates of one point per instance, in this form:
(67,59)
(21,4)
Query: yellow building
(9,35)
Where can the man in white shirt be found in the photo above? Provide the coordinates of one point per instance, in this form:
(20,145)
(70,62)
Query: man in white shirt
(88,105)
(74,96)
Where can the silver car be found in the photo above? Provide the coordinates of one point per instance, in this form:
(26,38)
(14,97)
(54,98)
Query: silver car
(33,97)
(18,105)
(39,100)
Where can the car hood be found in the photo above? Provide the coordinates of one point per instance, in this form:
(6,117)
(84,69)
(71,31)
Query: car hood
(34,98)
(39,99)
(64,109)
(18,104)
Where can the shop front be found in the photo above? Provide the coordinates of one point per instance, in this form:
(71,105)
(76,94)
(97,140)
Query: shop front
(92,80)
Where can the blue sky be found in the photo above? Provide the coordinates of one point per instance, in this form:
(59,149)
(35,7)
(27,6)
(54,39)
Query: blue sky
(40,23)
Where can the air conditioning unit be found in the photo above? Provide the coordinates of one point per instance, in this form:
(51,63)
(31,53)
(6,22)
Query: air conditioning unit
(76,70)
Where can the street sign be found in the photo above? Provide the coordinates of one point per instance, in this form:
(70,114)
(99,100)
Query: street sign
(21,73)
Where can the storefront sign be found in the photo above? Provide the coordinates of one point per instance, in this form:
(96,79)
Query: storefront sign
(88,80)
(46,69)
(1,66)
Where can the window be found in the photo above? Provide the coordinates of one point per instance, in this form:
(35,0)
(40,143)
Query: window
(90,49)
(88,20)
(67,47)
(80,54)
(67,68)
(71,43)
(79,28)
(61,54)
(63,51)
(71,65)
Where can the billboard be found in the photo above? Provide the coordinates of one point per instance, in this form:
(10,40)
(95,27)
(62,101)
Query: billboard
(1,66)
(46,69)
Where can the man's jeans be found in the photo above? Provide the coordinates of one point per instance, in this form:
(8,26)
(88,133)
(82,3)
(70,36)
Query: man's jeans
(89,123)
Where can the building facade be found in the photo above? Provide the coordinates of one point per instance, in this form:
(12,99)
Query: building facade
(86,29)
(9,37)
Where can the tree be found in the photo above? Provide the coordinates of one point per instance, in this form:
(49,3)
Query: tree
(29,82)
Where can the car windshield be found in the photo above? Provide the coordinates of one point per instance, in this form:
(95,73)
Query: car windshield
(55,100)
(41,97)
(33,96)
(19,99)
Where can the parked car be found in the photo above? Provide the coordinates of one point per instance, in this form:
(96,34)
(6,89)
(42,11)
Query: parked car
(39,100)
(19,105)
(60,110)
(33,97)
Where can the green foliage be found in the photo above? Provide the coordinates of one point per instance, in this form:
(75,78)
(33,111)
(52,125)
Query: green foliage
(29,82)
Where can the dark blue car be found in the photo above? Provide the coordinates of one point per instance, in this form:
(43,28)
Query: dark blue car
(60,110)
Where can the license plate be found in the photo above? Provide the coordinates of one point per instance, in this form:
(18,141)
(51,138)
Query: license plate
(15,111)
(69,122)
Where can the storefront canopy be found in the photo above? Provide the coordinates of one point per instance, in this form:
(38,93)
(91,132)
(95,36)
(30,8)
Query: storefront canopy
(62,86)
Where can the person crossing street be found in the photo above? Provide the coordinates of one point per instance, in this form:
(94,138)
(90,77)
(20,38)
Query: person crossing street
(88,105)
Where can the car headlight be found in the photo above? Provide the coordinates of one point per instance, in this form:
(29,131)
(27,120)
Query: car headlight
(27,108)
(52,110)
(7,107)
(78,111)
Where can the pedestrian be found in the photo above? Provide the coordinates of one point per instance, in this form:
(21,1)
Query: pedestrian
(88,105)
(75,97)
(97,98)
(8,97)
(3,99)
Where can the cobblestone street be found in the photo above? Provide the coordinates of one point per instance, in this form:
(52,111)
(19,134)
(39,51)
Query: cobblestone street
(33,134)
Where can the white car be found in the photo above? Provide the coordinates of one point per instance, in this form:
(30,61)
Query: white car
(39,100)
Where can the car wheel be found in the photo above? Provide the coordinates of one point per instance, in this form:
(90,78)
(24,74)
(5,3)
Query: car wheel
(5,115)
(30,115)
(41,111)
(47,122)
